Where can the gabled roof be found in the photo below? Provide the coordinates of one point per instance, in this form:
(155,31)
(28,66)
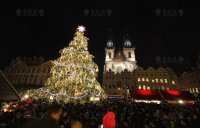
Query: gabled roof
(7,91)
(119,56)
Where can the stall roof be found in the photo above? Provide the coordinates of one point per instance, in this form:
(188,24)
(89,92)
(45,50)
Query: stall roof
(7,91)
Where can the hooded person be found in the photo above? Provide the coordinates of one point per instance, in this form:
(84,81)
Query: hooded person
(109,120)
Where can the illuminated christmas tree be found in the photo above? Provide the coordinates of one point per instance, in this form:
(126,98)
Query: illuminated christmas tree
(73,74)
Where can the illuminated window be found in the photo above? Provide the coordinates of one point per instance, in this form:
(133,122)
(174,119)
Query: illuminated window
(138,79)
(163,88)
(190,90)
(167,88)
(143,79)
(165,80)
(173,82)
(144,87)
(156,80)
(148,88)
(197,90)
(147,79)
(139,87)
(152,81)
(193,90)
(161,80)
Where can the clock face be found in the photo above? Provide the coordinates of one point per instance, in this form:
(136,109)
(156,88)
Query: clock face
(127,43)
(110,43)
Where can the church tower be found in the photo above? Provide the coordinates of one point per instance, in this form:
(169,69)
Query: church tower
(129,53)
(118,68)
(109,51)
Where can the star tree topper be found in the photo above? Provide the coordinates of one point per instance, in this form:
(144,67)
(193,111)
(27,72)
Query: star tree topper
(81,28)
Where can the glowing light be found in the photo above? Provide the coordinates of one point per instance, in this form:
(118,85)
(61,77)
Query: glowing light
(145,92)
(173,92)
(94,98)
(81,28)
(51,98)
(148,101)
(180,101)
(26,96)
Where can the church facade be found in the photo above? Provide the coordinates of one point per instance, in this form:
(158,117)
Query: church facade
(122,74)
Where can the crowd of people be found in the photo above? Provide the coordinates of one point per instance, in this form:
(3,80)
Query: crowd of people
(124,114)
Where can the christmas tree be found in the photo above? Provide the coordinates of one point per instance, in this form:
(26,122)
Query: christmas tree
(73,74)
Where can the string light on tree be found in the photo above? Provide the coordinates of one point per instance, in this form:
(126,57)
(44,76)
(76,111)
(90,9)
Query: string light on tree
(73,74)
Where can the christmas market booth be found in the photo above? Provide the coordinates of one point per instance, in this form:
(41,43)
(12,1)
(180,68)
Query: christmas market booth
(178,97)
(146,96)
(167,96)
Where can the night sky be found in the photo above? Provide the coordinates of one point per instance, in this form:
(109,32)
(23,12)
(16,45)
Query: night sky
(164,35)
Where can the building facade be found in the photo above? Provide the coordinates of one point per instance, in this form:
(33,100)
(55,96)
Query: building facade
(23,72)
(190,80)
(121,73)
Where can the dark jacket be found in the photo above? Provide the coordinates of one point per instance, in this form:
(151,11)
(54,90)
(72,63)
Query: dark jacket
(46,122)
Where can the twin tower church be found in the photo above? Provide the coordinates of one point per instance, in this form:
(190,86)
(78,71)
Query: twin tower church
(122,74)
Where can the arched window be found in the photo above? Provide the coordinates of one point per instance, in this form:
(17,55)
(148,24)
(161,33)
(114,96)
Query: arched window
(144,87)
(129,54)
(161,80)
(109,54)
(119,69)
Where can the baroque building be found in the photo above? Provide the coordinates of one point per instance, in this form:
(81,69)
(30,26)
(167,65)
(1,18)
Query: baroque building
(23,72)
(190,80)
(121,73)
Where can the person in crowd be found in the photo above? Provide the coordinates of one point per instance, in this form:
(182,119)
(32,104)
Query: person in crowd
(51,120)
(76,124)
(109,120)
(122,113)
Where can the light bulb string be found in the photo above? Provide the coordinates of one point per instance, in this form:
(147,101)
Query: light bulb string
(71,97)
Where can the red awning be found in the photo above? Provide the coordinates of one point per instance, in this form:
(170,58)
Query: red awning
(173,95)
(145,95)
(178,95)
